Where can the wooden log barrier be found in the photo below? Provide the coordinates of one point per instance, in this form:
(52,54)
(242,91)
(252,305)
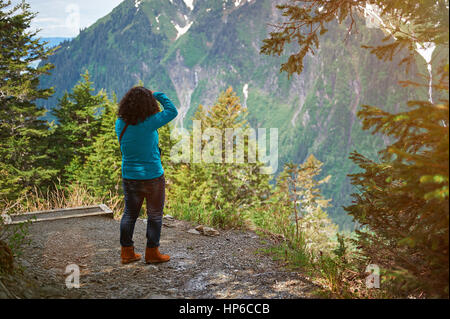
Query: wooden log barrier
(64,213)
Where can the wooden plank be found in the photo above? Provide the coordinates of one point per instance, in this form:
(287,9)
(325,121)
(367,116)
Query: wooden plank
(64,213)
(57,210)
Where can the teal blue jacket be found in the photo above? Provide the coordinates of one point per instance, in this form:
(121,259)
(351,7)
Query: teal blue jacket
(140,153)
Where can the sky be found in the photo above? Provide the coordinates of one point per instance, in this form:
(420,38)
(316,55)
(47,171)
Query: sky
(64,18)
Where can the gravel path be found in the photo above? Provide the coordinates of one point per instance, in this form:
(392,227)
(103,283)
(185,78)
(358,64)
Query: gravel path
(225,266)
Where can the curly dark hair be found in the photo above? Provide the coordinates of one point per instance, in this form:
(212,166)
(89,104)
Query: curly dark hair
(137,104)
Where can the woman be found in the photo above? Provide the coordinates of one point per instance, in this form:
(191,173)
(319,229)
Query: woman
(142,172)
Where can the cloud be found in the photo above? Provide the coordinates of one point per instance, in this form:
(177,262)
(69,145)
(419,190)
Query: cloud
(43,20)
(64,18)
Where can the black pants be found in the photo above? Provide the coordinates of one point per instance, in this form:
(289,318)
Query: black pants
(153,190)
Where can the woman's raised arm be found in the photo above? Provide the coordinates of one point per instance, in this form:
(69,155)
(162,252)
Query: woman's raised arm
(164,117)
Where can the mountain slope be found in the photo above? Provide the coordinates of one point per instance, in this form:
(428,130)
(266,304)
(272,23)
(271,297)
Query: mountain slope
(192,50)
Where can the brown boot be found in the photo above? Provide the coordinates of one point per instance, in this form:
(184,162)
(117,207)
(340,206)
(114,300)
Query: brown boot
(152,255)
(128,255)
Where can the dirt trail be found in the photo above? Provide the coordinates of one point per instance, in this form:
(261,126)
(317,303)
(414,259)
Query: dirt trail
(224,266)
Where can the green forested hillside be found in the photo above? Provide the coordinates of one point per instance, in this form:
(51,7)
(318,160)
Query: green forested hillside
(315,112)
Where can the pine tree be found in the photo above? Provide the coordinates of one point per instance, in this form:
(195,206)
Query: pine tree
(296,209)
(233,186)
(234,180)
(77,127)
(101,173)
(403,202)
(229,189)
(23,133)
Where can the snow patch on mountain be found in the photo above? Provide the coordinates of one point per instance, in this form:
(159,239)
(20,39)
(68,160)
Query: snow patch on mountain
(157,21)
(237,3)
(137,3)
(189,4)
(182,30)
(245,91)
